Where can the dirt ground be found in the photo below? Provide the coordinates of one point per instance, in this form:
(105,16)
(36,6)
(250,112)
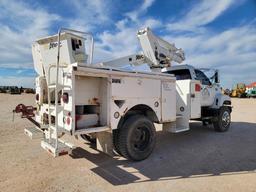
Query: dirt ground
(197,160)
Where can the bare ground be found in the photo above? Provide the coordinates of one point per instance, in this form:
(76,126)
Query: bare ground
(197,160)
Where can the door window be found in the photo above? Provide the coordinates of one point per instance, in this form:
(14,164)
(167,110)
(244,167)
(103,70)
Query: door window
(202,77)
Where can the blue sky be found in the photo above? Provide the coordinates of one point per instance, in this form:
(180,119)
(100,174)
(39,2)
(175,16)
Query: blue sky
(213,33)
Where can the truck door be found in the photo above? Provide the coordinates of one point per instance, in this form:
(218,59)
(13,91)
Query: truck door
(208,91)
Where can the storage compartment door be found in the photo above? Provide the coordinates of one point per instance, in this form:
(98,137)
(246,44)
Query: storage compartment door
(195,96)
(168,101)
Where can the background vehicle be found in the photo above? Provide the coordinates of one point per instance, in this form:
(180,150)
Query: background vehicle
(251,92)
(10,89)
(114,106)
(239,90)
(2,89)
(28,90)
(15,90)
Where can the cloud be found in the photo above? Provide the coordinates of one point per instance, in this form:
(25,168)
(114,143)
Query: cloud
(123,40)
(118,44)
(20,26)
(133,15)
(200,14)
(232,51)
(23,23)
(88,14)
(228,49)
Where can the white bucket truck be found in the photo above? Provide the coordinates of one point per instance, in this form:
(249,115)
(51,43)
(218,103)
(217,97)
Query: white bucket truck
(114,107)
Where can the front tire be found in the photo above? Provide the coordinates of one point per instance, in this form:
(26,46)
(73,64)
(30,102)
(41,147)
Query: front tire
(136,138)
(222,123)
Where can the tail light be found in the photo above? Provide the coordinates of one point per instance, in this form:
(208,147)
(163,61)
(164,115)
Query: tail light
(197,87)
(68,120)
(65,97)
(37,97)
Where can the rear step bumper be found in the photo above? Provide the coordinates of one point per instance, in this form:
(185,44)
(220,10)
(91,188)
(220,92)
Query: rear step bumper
(64,148)
(34,133)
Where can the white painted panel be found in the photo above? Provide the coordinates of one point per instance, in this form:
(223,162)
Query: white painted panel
(195,110)
(134,91)
(183,97)
(168,101)
(104,101)
(183,105)
(86,89)
(136,87)
(192,106)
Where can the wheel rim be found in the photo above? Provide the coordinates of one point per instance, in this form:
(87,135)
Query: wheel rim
(225,118)
(140,138)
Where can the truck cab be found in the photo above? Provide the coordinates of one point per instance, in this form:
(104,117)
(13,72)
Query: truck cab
(212,101)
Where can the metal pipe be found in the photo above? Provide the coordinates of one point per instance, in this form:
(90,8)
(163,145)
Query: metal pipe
(49,103)
(92,49)
(56,91)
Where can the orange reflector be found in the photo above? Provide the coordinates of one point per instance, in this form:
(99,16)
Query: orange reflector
(197,87)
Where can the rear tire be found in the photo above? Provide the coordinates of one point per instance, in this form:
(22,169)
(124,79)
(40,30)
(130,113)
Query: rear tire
(116,140)
(222,123)
(136,138)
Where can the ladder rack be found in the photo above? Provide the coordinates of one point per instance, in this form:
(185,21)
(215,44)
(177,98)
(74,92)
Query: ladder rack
(51,143)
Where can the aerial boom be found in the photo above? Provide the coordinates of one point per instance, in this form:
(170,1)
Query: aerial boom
(159,51)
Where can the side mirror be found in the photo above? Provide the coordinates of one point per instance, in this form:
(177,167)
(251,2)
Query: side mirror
(216,77)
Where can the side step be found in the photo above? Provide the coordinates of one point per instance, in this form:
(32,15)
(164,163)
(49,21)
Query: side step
(180,125)
(34,133)
(64,148)
(91,130)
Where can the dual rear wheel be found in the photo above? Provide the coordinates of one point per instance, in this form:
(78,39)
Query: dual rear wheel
(136,138)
